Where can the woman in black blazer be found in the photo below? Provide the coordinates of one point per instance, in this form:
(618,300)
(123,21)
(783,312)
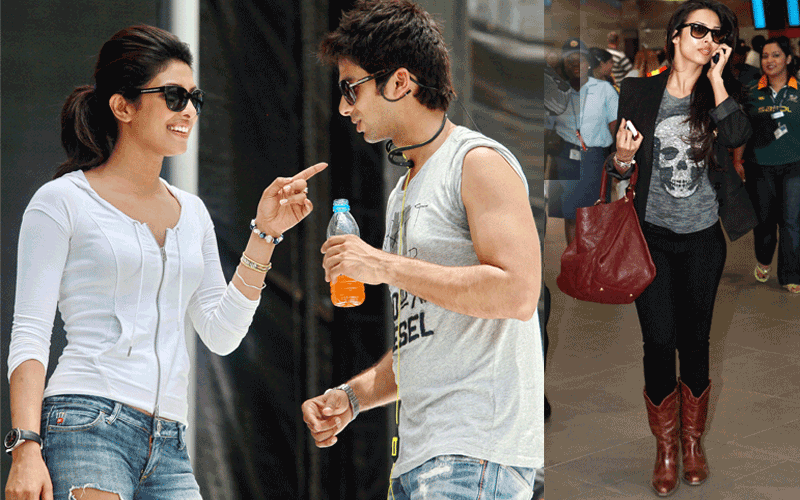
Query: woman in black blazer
(686,118)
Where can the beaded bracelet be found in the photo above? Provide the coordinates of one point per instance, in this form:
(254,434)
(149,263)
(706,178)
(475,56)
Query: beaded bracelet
(255,266)
(263,285)
(264,236)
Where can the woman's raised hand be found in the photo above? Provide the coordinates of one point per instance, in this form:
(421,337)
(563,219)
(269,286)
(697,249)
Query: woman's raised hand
(715,71)
(285,202)
(626,144)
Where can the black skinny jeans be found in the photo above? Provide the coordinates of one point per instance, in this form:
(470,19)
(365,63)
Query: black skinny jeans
(675,310)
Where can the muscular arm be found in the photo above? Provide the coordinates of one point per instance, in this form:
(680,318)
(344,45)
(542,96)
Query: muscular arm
(328,414)
(506,282)
(375,386)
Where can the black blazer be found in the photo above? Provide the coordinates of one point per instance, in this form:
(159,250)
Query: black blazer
(639,101)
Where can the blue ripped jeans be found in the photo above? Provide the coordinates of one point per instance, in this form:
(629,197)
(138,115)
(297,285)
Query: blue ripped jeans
(94,442)
(455,477)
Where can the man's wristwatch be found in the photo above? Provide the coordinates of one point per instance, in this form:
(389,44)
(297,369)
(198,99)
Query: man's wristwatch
(16,437)
(354,405)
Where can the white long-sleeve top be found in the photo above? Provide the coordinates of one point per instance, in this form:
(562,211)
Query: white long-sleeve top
(123,298)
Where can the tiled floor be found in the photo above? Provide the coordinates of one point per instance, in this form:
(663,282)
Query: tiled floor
(598,444)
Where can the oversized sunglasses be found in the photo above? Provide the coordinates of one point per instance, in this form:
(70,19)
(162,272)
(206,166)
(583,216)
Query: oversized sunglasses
(177,97)
(699,31)
(346,88)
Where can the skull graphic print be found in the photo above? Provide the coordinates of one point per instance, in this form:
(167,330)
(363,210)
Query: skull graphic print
(678,173)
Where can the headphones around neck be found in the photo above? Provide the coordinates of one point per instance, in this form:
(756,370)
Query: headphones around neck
(397,155)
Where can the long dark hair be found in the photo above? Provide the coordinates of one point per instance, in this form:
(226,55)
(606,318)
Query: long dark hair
(130,59)
(785,45)
(700,123)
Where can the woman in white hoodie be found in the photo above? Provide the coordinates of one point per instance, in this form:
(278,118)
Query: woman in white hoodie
(126,258)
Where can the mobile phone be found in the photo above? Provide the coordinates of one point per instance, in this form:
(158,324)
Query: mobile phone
(629,126)
(715,57)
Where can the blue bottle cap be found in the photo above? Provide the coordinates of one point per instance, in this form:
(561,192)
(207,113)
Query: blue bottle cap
(341,205)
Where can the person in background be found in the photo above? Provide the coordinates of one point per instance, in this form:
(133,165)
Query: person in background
(687,119)
(557,95)
(586,130)
(622,65)
(740,69)
(127,259)
(601,63)
(772,164)
(645,62)
(754,56)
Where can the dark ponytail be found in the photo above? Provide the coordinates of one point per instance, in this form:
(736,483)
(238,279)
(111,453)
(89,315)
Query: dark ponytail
(128,61)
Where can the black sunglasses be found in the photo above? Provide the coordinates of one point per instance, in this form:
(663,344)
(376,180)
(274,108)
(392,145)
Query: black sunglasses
(177,97)
(346,88)
(699,31)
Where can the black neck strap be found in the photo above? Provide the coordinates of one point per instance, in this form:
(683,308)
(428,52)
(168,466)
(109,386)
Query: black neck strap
(397,155)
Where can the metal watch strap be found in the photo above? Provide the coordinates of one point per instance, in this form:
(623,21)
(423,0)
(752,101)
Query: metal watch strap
(354,405)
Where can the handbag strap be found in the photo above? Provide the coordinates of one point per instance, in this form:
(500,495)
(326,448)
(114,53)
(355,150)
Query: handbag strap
(604,181)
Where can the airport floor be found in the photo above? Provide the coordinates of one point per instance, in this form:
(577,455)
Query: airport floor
(597,442)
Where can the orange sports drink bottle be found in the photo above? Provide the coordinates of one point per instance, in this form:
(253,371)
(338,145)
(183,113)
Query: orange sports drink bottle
(345,292)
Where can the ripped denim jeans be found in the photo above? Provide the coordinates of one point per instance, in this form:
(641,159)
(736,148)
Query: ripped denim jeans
(94,442)
(455,477)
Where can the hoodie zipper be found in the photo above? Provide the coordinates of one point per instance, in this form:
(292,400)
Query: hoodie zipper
(158,327)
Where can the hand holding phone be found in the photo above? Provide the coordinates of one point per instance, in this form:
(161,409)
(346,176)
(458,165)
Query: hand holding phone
(715,57)
(629,126)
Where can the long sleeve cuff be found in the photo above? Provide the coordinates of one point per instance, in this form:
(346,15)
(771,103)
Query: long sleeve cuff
(725,109)
(612,170)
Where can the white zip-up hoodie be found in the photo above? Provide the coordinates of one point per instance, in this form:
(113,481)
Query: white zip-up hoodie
(124,300)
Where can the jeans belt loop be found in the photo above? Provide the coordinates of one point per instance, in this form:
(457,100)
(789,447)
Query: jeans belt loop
(114,413)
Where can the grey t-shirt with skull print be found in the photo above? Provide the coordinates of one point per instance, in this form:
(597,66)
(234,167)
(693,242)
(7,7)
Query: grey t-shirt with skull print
(681,197)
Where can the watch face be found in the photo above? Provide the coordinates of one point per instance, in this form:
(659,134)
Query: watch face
(11,438)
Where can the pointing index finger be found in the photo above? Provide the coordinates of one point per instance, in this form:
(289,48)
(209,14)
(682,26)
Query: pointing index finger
(310,171)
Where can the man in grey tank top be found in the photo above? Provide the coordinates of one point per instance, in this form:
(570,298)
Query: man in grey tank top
(462,260)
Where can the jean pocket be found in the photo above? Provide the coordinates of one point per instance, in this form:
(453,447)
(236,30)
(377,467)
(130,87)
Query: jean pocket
(522,475)
(73,418)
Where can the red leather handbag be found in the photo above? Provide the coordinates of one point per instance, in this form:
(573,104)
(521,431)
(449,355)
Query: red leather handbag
(608,262)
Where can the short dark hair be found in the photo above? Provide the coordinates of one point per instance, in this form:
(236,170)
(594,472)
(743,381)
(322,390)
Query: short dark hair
(598,56)
(785,45)
(758,43)
(127,61)
(387,34)
(612,37)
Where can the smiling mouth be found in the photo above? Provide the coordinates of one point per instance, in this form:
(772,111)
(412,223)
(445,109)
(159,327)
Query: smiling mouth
(181,129)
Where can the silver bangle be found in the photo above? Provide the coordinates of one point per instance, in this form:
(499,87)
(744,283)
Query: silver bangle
(624,164)
(354,405)
(259,288)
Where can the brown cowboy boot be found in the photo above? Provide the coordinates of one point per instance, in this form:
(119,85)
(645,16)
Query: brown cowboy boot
(664,425)
(693,423)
